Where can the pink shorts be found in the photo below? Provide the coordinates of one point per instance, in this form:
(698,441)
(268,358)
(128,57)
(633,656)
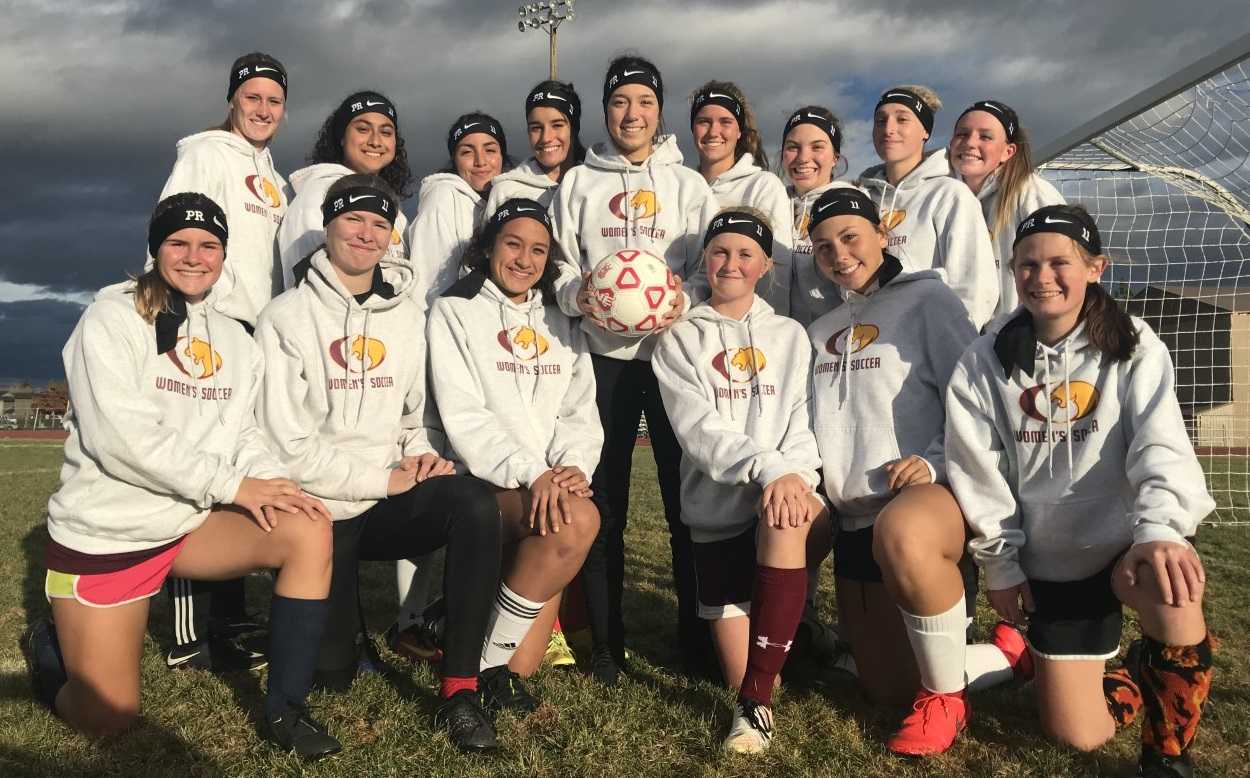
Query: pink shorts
(104,590)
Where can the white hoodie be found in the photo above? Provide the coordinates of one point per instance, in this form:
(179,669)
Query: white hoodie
(747,184)
(513,383)
(448,210)
(245,184)
(1035,193)
(1061,466)
(883,401)
(345,396)
(527,180)
(301,232)
(812,295)
(736,394)
(609,204)
(155,440)
(935,223)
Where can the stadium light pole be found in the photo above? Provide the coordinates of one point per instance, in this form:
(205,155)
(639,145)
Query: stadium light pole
(546,15)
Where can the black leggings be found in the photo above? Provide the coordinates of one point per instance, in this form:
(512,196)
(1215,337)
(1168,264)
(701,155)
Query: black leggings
(626,390)
(455,511)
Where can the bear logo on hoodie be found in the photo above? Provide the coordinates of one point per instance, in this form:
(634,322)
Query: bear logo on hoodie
(362,356)
(523,342)
(1079,398)
(634,204)
(200,356)
(739,364)
(852,340)
(263,190)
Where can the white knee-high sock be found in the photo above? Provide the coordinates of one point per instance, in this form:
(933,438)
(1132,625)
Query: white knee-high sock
(940,644)
(510,620)
(986,666)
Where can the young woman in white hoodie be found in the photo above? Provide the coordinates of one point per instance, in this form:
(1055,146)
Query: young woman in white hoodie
(991,153)
(734,377)
(451,202)
(166,471)
(632,192)
(361,136)
(882,362)
(232,164)
(733,162)
(344,402)
(1068,452)
(553,120)
(811,148)
(932,222)
(514,385)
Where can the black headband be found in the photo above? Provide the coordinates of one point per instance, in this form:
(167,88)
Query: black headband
(473,124)
(912,101)
(1000,111)
(358,198)
(1056,218)
(843,201)
(623,74)
(803,116)
(182,210)
(520,208)
(268,67)
(565,101)
(741,223)
(362,103)
(715,97)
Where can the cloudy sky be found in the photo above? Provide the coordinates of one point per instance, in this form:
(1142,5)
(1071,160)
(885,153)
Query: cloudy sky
(96,94)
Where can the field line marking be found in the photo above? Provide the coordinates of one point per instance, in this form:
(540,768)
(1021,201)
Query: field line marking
(4,473)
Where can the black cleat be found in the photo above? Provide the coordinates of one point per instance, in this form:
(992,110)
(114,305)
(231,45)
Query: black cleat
(297,731)
(503,689)
(468,726)
(603,666)
(1156,765)
(44,662)
(218,656)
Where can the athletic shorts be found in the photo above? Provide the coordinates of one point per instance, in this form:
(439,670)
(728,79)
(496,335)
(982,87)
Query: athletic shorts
(724,576)
(852,556)
(1076,619)
(104,581)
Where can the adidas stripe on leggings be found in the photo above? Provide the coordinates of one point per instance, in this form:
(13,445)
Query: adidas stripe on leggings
(194,603)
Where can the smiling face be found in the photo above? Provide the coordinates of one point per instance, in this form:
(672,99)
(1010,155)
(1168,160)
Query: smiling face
(190,261)
(356,242)
(256,110)
(848,250)
(551,136)
(897,134)
(808,157)
(478,159)
(369,143)
(632,116)
(519,257)
(735,264)
(1051,274)
(716,134)
(979,147)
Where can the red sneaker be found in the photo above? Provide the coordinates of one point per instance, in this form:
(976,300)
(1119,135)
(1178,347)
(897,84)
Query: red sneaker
(1009,640)
(933,724)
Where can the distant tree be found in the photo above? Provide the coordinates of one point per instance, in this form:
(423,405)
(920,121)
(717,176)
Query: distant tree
(53,398)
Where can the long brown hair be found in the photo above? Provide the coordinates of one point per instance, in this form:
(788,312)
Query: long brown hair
(1012,176)
(750,141)
(152,294)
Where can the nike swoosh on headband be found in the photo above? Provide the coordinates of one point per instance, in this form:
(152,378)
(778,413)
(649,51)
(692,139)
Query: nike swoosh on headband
(354,198)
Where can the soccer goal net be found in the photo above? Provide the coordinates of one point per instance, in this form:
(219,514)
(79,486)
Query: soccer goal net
(1166,176)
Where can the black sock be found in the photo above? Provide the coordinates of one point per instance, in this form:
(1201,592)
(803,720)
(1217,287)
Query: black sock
(295,631)
(470,575)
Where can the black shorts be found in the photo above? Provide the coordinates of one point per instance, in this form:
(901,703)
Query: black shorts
(725,575)
(852,556)
(1076,619)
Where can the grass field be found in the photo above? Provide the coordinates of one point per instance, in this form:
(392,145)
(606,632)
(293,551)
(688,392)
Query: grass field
(656,723)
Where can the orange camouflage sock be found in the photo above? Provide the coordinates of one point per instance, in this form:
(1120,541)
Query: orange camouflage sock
(1175,681)
(1123,695)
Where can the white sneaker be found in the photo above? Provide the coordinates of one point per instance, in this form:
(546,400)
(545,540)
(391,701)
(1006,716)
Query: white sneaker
(752,728)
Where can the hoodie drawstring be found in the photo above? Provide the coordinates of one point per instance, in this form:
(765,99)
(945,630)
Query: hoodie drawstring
(212,365)
(729,387)
(1067,402)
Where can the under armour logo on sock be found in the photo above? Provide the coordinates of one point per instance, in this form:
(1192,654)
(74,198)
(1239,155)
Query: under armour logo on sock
(763,642)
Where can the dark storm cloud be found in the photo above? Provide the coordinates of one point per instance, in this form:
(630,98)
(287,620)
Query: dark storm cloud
(34,332)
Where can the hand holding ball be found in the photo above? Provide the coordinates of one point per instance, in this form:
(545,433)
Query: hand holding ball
(631,293)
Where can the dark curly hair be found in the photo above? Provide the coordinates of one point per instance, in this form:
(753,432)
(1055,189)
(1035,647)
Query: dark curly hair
(329,148)
(476,258)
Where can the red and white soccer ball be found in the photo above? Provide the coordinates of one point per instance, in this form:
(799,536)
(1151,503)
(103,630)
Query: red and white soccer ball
(631,291)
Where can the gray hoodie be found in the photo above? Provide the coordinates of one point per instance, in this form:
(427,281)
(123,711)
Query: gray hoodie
(934,222)
(609,204)
(513,382)
(736,394)
(345,395)
(527,179)
(812,295)
(1062,458)
(882,363)
(448,210)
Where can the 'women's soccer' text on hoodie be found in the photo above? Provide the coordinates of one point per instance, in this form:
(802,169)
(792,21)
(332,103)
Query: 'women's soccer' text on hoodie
(301,232)
(527,180)
(1062,458)
(747,184)
(345,396)
(882,363)
(935,223)
(812,295)
(513,383)
(156,438)
(448,210)
(736,394)
(609,204)
(245,184)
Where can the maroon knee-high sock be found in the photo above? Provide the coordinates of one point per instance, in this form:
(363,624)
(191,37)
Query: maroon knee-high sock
(776,607)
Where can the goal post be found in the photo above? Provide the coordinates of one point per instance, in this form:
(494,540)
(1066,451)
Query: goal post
(1166,175)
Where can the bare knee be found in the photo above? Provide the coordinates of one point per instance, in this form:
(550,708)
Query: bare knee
(1085,739)
(98,715)
(310,541)
(574,539)
(899,543)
